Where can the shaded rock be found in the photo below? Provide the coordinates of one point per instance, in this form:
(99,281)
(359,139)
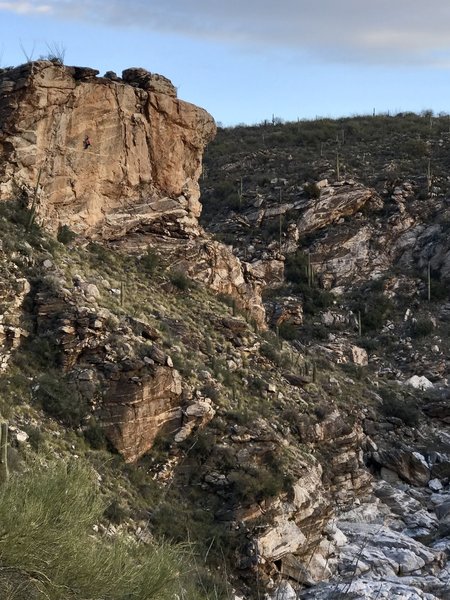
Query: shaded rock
(287,310)
(334,203)
(438,410)
(441,470)
(133,415)
(410,466)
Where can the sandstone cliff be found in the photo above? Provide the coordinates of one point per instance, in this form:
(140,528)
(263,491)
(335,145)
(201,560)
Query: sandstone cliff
(145,152)
(139,175)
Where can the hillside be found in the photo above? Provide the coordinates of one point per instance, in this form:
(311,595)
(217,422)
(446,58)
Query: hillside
(252,402)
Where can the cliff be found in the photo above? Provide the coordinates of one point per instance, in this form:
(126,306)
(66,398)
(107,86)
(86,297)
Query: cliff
(137,174)
(145,146)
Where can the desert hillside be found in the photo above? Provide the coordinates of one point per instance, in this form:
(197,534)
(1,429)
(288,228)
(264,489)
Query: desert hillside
(234,340)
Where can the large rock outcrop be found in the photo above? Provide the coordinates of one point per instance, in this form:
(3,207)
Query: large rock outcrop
(145,153)
(137,181)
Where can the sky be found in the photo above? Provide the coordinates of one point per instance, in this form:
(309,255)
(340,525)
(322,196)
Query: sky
(246,61)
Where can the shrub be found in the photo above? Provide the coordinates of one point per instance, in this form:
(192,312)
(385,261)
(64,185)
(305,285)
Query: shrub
(47,549)
(65,235)
(312,190)
(415,148)
(116,512)
(371,344)
(95,435)
(355,371)
(256,484)
(270,352)
(150,261)
(315,299)
(288,330)
(313,331)
(180,280)
(422,327)
(257,385)
(211,391)
(296,265)
(439,290)
(61,400)
(35,437)
(402,408)
(375,308)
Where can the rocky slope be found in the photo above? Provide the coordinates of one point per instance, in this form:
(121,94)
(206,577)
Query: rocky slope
(377,240)
(306,456)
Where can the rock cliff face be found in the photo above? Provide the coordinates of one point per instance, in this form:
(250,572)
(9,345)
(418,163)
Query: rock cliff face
(144,154)
(137,175)
(301,543)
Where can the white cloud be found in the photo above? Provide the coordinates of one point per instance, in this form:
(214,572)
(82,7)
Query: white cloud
(363,31)
(24,8)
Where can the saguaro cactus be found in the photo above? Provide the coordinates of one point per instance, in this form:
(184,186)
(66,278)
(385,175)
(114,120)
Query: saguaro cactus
(4,472)
(429,176)
(310,271)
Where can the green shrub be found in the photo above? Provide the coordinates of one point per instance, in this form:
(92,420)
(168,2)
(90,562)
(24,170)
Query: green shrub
(60,399)
(295,268)
(439,290)
(355,371)
(288,330)
(211,391)
(35,437)
(180,280)
(415,148)
(65,235)
(315,299)
(395,405)
(256,384)
(269,351)
(150,261)
(371,344)
(312,190)
(375,309)
(95,435)
(313,331)
(47,549)
(116,512)
(422,327)
(256,484)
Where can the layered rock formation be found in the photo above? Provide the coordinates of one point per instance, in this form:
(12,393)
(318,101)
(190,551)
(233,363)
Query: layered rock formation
(136,176)
(144,157)
(301,543)
(118,367)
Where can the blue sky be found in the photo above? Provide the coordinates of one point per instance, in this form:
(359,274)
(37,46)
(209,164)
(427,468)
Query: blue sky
(246,60)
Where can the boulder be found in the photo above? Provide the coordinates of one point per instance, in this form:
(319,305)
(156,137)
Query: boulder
(408,465)
(419,382)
